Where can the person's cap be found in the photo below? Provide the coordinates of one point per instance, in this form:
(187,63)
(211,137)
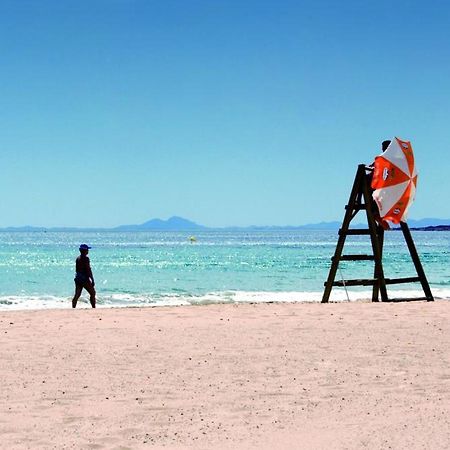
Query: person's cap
(84,247)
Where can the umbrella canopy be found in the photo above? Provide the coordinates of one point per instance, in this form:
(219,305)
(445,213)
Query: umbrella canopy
(394,181)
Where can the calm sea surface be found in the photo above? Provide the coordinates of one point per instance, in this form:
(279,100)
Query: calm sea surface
(165,268)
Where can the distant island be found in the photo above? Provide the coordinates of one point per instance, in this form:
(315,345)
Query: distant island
(433,228)
(176,223)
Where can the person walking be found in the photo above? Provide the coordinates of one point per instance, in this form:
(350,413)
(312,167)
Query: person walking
(83,276)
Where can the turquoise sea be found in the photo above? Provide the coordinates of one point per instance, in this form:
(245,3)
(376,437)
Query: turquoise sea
(165,268)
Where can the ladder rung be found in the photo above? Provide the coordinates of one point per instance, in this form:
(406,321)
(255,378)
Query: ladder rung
(402,280)
(362,282)
(356,258)
(410,299)
(354,231)
(372,281)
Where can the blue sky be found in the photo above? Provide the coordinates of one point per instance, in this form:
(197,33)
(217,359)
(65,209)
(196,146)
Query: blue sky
(224,112)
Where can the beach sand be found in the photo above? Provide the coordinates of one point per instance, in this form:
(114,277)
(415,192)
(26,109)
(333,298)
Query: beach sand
(265,376)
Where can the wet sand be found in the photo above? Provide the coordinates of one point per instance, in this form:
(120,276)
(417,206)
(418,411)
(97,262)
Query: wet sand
(303,376)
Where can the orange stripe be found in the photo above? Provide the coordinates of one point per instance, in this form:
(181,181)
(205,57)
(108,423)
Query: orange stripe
(387,174)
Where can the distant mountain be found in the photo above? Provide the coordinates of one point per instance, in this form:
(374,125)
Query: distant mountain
(25,228)
(312,226)
(322,226)
(53,229)
(173,224)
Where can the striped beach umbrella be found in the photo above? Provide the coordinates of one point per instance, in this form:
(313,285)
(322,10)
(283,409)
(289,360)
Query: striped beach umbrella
(394,181)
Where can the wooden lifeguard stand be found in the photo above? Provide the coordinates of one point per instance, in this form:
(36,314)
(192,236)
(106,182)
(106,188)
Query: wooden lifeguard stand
(361,199)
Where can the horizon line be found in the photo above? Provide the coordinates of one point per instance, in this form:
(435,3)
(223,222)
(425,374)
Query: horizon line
(167,222)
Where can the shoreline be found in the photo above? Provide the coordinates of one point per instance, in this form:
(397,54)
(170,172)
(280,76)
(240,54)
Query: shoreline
(48,302)
(263,376)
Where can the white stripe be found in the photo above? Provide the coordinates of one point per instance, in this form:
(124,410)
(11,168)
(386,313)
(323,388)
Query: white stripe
(411,199)
(387,197)
(395,155)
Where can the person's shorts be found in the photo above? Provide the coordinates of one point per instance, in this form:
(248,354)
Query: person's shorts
(81,280)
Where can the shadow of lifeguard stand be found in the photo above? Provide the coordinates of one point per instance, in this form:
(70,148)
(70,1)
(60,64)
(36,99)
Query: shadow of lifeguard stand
(361,200)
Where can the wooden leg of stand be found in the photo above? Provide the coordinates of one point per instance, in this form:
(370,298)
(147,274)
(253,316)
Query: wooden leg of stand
(376,287)
(416,261)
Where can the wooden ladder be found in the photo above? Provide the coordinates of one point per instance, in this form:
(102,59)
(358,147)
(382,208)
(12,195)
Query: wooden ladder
(361,199)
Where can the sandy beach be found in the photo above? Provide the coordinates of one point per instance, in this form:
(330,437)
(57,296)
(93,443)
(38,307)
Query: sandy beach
(303,376)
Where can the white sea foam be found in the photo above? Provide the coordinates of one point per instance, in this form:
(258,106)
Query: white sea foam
(23,302)
(120,300)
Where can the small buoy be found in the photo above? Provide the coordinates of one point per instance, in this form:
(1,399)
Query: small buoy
(192,239)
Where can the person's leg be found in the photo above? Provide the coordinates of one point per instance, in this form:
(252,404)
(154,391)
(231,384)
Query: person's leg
(91,290)
(78,290)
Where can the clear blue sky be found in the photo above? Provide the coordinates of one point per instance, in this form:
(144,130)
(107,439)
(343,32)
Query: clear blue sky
(224,112)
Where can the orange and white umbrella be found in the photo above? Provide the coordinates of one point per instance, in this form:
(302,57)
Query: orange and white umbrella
(394,181)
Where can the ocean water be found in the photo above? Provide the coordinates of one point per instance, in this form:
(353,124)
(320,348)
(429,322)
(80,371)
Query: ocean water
(165,268)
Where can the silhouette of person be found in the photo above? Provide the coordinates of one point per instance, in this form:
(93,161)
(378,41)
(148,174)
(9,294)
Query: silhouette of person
(384,146)
(83,276)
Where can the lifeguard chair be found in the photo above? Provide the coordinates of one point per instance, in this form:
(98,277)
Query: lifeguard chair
(385,194)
